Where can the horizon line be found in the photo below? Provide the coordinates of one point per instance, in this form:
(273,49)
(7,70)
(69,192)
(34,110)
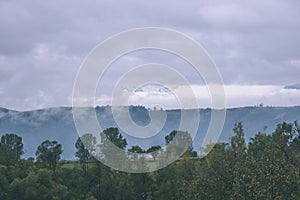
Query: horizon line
(153,108)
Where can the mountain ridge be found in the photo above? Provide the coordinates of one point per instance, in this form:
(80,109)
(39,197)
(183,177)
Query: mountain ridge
(56,123)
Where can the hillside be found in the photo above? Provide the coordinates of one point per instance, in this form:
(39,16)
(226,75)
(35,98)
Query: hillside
(57,124)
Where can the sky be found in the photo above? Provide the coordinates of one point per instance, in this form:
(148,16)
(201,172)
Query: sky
(254,44)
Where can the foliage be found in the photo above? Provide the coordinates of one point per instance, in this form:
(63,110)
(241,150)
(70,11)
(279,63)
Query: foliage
(85,146)
(268,167)
(179,142)
(11,149)
(112,147)
(154,151)
(114,136)
(49,153)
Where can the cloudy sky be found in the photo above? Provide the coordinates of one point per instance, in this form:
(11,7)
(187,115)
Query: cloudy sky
(255,45)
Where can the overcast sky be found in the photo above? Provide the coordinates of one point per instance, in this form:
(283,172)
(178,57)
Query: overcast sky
(255,45)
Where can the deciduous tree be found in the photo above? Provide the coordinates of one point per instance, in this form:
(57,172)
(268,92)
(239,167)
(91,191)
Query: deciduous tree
(49,153)
(11,149)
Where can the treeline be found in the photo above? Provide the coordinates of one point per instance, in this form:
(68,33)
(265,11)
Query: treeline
(268,167)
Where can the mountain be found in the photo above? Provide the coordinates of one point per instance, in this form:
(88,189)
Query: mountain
(295,87)
(57,124)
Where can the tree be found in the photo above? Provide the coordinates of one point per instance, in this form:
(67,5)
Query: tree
(112,147)
(261,165)
(284,168)
(154,151)
(239,163)
(38,185)
(49,153)
(114,136)
(4,182)
(11,149)
(238,143)
(136,149)
(214,173)
(85,145)
(179,143)
(138,156)
(143,185)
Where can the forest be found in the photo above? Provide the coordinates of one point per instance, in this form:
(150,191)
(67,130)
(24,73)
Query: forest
(265,167)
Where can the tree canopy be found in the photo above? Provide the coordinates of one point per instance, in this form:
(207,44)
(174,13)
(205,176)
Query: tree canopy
(49,153)
(11,148)
(267,167)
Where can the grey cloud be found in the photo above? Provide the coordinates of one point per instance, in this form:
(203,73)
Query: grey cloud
(253,42)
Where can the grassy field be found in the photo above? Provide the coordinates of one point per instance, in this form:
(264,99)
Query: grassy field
(150,164)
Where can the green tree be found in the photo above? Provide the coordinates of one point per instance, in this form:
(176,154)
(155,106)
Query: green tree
(154,151)
(85,145)
(179,142)
(114,136)
(138,153)
(11,149)
(38,185)
(4,182)
(237,142)
(143,185)
(239,163)
(284,168)
(112,148)
(136,149)
(214,173)
(112,142)
(165,183)
(274,164)
(261,164)
(49,153)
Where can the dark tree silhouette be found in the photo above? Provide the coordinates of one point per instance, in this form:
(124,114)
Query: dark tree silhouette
(49,153)
(11,149)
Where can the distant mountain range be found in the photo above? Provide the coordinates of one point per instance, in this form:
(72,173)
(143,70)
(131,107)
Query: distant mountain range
(295,87)
(57,124)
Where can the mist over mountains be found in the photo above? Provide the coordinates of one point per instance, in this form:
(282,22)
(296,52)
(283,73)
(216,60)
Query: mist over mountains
(57,124)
